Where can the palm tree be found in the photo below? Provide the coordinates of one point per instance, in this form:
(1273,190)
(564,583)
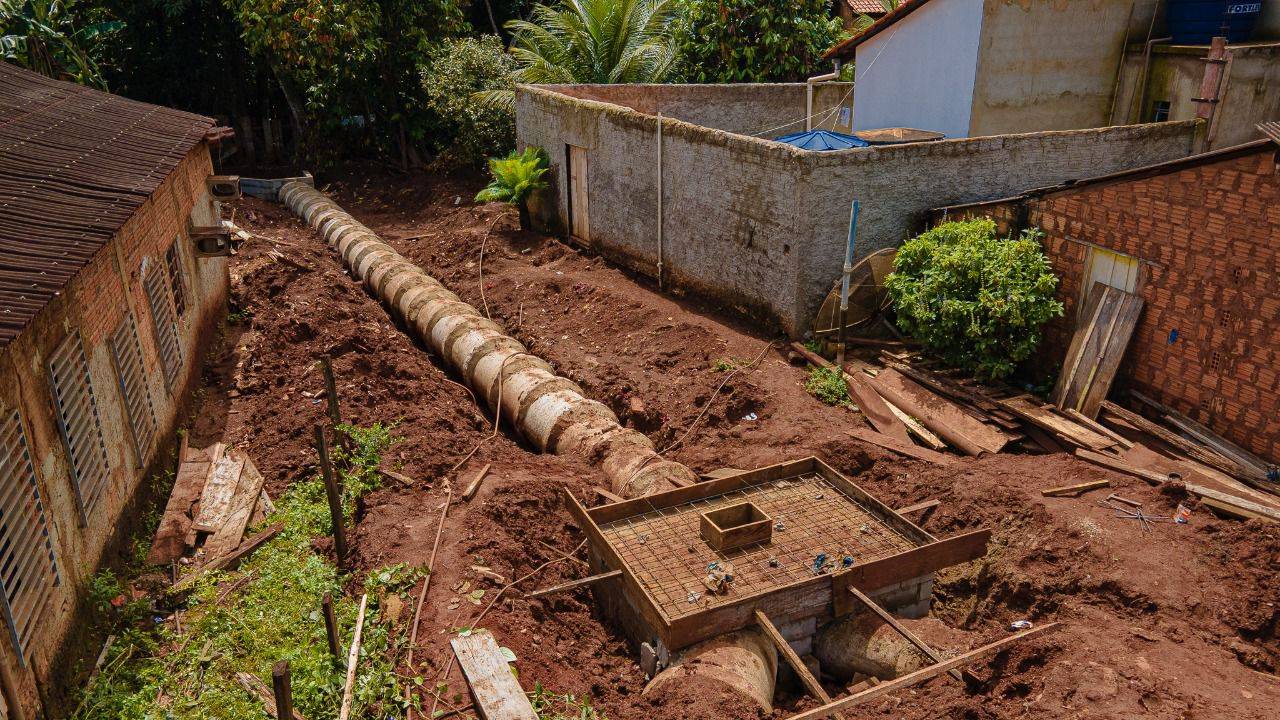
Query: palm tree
(42,35)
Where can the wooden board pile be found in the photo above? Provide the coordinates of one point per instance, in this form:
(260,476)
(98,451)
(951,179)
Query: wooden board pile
(217,494)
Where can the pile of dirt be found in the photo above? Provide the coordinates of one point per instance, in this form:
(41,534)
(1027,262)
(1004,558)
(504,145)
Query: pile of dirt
(1176,621)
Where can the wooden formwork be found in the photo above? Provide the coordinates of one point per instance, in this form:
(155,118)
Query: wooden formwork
(655,543)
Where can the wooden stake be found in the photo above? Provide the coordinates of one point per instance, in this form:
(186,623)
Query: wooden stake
(331,392)
(282,684)
(474,486)
(784,648)
(331,627)
(348,693)
(335,497)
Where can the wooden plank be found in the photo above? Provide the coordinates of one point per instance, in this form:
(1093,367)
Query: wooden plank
(608,496)
(1099,428)
(228,536)
(911,564)
(797,665)
(497,694)
(911,637)
(971,400)
(918,676)
(1094,347)
(1112,354)
(170,541)
(909,449)
(721,473)
(940,415)
(926,438)
(1246,460)
(572,584)
(259,689)
(1027,408)
(1075,489)
(474,486)
(918,507)
(1074,360)
(1192,450)
(231,560)
(1115,463)
(1233,505)
(215,500)
(1043,439)
(875,409)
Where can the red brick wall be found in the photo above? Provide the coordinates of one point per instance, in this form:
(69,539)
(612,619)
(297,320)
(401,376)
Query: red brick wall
(1209,239)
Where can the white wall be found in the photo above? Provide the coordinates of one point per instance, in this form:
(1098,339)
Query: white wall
(919,72)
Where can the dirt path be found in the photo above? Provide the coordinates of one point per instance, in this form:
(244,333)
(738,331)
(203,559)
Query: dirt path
(1177,622)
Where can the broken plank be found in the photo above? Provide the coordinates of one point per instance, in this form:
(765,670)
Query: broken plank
(231,560)
(219,490)
(927,505)
(1030,410)
(573,584)
(259,689)
(246,497)
(921,645)
(940,415)
(170,541)
(928,439)
(874,408)
(1075,489)
(474,486)
(918,676)
(908,449)
(497,694)
(784,648)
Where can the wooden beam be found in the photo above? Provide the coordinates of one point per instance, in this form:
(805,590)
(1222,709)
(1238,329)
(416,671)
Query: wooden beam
(611,497)
(913,563)
(911,637)
(896,445)
(784,648)
(926,506)
(572,584)
(1075,489)
(231,560)
(497,694)
(1192,450)
(1115,463)
(918,676)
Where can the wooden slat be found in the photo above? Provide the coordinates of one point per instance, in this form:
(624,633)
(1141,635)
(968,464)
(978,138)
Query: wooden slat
(797,665)
(247,494)
(1246,460)
(572,584)
(911,564)
(170,541)
(1192,450)
(875,409)
(1098,427)
(232,559)
(911,637)
(1075,351)
(497,694)
(219,490)
(918,676)
(940,415)
(926,505)
(921,433)
(1075,489)
(1117,342)
(896,445)
(1027,408)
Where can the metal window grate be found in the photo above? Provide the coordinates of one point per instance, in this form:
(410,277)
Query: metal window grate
(173,264)
(27,564)
(163,322)
(79,422)
(126,352)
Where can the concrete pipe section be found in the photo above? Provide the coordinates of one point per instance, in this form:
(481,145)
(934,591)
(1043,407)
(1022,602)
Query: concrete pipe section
(864,644)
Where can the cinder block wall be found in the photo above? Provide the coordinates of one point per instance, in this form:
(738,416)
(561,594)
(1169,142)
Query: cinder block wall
(1208,238)
(760,226)
(93,303)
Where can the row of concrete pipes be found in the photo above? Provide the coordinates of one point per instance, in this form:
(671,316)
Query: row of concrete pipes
(555,415)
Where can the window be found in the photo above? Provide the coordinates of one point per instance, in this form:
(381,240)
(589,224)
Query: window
(1160,111)
(162,320)
(27,565)
(173,264)
(126,354)
(78,422)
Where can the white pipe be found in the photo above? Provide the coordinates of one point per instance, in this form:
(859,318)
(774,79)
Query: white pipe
(808,94)
(659,200)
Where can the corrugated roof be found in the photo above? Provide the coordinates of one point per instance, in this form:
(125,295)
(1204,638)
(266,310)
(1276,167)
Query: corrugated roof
(75,164)
(844,50)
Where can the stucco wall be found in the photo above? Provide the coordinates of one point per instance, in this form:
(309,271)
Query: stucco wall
(93,302)
(760,225)
(920,72)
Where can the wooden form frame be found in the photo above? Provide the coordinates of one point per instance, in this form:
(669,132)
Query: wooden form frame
(819,596)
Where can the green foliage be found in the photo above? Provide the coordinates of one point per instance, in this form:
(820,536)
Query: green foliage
(976,300)
(738,41)
(725,365)
(550,706)
(153,672)
(864,21)
(828,385)
(62,39)
(515,176)
(455,78)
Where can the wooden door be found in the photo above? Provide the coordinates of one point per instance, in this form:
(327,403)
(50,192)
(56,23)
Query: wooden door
(579,217)
(1111,269)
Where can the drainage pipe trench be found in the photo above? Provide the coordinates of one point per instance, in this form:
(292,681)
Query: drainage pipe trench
(550,411)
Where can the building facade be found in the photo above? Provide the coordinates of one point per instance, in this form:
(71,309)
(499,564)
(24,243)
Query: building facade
(106,307)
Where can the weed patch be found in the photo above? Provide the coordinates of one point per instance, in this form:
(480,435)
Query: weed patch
(828,385)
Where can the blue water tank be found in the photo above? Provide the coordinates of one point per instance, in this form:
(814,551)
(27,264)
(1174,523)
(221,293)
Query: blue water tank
(1196,22)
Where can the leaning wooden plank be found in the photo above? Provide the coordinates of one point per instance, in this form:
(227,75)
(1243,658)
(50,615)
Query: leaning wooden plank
(170,541)
(938,414)
(1071,362)
(572,584)
(497,694)
(228,536)
(921,433)
(797,665)
(1075,489)
(908,449)
(920,675)
(259,689)
(874,408)
(1030,410)
(1213,441)
(1095,347)
(901,629)
(1098,427)
(1117,343)
(231,560)
(215,501)
(1192,450)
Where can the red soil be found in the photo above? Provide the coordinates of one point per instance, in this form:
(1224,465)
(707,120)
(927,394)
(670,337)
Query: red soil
(1177,622)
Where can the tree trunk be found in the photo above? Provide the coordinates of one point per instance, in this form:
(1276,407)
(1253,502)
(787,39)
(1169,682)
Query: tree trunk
(297,106)
(526,220)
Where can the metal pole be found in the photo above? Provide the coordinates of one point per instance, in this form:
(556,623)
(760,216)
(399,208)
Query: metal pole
(844,282)
(659,200)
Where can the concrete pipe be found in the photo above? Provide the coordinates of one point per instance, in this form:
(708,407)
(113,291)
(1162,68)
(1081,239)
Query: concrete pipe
(550,411)
(864,643)
(744,663)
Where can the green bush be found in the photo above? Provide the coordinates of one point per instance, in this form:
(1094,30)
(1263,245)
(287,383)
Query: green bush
(515,178)
(828,385)
(466,128)
(974,299)
(738,41)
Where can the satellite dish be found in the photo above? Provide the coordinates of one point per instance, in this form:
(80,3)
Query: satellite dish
(867,296)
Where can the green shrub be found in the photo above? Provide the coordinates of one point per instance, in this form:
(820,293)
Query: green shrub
(466,128)
(974,299)
(828,385)
(736,41)
(515,178)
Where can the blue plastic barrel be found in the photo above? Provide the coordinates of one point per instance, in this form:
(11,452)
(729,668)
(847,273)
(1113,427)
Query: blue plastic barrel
(1196,22)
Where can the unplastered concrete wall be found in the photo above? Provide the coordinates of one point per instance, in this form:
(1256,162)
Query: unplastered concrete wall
(760,226)
(92,304)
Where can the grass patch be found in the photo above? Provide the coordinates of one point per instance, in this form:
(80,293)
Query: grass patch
(726,364)
(828,385)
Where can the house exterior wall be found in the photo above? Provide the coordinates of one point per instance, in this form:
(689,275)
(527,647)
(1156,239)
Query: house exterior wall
(1046,65)
(92,303)
(920,72)
(760,226)
(1208,241)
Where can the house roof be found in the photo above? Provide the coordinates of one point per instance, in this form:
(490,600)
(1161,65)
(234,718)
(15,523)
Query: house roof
(75,164)
(866,7)
(1271,130)
(844,50)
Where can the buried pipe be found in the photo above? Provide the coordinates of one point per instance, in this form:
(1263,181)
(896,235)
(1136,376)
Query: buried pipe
(865,644)
(550,411)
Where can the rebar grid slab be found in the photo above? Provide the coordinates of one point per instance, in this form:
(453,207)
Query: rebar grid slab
(664,551)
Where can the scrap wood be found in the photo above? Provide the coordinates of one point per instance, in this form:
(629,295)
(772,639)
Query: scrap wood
(256,687)
(170,541)
(262,509)
(1192,450)
(918,676)
(1096,349)
(908,449)
(230,560)
(926,438)
(926,506)
(608,496)
(398,477)
(797,665)
(1074,490)
(474,486)
(1214,442)
(219,489)
(1043,439)
(247,494)
(353,658)
(497,694)
(977,404)
(574,584)
(940,415)
(902,630)
(874,408)
(1031,410)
